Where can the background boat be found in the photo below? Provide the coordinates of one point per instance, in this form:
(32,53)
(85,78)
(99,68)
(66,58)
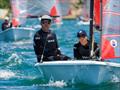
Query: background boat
(84,17)
(17,34)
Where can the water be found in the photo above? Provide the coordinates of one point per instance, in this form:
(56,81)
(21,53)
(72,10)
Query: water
(17,60)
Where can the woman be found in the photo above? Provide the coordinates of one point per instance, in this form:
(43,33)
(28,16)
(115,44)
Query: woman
(82,47)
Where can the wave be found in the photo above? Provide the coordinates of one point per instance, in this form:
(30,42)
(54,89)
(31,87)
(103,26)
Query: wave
(6,74)
(59,84)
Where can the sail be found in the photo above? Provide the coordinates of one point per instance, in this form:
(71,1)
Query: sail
(3,13)
(18,11)
(24,8)
(97,12)
(111,30)
(60,8)
(85,10)
(56,11)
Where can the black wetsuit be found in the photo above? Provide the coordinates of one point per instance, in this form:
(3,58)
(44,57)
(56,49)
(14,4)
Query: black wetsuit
(82,52)
(45,43)
(6,25)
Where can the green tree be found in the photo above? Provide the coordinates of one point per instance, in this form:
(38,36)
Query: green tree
(77,5)
(5,4)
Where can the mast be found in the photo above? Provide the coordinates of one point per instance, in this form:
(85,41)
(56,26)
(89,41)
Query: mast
(101,14)
(91,27)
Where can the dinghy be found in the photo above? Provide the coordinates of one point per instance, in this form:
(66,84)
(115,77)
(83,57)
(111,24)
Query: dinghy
(17,34)
(18,31)
(83,23)
(92,72)
(88,72)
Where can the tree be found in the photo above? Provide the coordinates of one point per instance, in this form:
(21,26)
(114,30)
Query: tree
(77,5)
(5,4)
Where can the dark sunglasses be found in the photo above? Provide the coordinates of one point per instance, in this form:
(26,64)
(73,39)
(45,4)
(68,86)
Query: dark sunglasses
(45,21)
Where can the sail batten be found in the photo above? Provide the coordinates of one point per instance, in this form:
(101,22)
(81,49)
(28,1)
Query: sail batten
(111,12)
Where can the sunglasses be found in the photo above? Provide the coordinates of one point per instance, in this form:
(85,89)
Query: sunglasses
(46,21)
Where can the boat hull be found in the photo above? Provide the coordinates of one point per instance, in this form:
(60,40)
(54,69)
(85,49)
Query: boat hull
(88,72)
(83,23)
(16,34)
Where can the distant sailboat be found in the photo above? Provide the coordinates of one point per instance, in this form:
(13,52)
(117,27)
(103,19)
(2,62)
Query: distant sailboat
(55,11)
(84,18)
(55,8)
(17,32)
(60,9)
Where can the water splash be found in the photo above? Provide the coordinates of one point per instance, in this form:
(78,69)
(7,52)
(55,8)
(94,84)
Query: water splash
(59,84)
(6,74)
(22,42)
(115,79)
(15,58)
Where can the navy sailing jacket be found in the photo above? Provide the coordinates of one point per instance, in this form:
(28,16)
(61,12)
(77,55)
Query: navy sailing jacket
(82,52)
(45,43)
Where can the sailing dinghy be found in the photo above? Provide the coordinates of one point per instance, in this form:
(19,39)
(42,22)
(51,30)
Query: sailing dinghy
(83,19)
(17,31)
(17,34)
(79,71)
(89,71)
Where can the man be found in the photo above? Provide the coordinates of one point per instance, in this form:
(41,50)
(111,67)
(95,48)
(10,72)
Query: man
(45,42)
(81,48)
(6,24)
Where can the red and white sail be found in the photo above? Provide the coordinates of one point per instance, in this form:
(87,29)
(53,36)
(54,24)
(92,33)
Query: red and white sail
(111,30)
(97,10)
(23,8)
(56,11)
(60,8)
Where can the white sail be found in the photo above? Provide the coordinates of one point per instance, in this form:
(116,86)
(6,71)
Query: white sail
(24,8)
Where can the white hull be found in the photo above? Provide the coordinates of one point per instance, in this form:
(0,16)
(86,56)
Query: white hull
(15,34)
(88,72)
(83,23)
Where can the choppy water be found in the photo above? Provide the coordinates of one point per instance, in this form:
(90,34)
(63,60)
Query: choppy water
(17,60)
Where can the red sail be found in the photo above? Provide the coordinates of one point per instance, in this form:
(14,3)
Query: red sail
(16,13)
(107,49)
(97,17)
(97,12)
(53,11)
(111,30)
